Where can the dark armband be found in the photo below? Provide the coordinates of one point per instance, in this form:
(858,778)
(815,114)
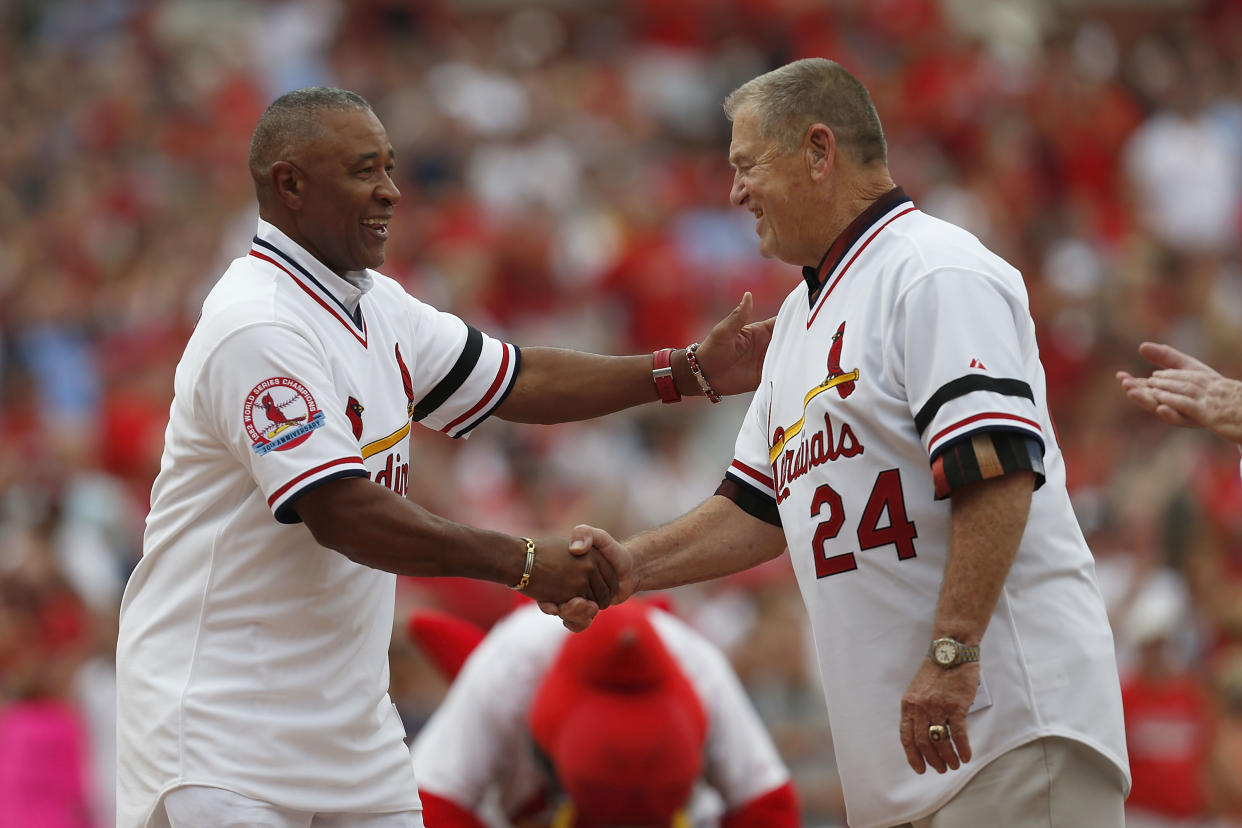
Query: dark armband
(985,455)
(752,502)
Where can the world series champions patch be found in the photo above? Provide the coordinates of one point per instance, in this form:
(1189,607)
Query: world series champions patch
(280,413)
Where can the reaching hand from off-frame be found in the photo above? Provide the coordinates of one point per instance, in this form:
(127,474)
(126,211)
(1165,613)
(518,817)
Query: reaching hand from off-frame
(937,696)
(732,354)
(577,613)
(1187,392)
(561,575)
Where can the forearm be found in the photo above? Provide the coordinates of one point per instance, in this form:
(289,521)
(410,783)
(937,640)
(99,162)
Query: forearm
(556,385)
(986,525)
(371,525)
(715,539)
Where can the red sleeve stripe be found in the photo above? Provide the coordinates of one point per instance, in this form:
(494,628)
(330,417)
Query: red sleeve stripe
(491,392)
(990,415)
(310,473)
(753,474)
(362,339)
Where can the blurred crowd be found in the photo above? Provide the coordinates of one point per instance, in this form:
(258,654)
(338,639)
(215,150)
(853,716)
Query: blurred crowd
(564,179)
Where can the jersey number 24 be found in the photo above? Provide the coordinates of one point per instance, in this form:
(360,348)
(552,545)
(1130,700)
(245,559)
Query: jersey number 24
(886,495)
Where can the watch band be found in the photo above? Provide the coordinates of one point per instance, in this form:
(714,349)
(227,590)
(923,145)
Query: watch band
(662,373)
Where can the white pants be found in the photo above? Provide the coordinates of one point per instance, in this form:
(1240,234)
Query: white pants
(196,806)
(1048,783)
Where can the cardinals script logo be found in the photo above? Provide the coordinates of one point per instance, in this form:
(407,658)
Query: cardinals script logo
(280,413)
(796,449)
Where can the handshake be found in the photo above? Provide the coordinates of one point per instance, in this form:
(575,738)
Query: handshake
(578,578)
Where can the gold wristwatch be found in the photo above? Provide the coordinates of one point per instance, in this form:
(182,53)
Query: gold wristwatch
(949,652)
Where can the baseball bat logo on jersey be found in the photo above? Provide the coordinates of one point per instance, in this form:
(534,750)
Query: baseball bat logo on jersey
(280,413)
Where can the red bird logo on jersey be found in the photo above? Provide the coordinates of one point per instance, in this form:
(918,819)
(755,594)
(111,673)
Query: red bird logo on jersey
(353,410)
(273,413)
(834,363)
(406,382)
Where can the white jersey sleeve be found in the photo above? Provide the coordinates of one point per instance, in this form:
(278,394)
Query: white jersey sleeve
(955,344)
(266,394)
(748,480)
(742,761)
(460,375)
(477,742)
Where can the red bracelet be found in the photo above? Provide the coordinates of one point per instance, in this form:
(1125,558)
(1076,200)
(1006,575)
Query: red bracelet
(708,391)
(662,373)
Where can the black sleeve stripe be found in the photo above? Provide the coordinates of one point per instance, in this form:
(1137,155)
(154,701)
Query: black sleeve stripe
(285,512)
(749,499)
(455,377)
(962,386)
(517,367)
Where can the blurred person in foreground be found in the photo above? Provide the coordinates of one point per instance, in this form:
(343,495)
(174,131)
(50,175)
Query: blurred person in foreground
(900,446)
(1186,392)
(639,721)
(252,670)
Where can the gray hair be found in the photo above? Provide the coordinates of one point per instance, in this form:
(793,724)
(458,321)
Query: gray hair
(788,100)
(291,121)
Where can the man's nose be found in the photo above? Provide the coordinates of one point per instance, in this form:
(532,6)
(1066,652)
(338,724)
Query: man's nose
(388,191)
(737,193)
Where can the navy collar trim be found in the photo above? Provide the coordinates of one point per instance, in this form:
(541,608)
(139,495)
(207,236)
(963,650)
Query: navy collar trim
(355,316)
(816,276)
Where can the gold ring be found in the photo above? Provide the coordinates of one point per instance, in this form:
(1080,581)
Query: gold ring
(937,733)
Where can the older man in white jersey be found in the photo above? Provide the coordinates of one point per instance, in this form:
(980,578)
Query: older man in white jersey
(900,446)
(252,657)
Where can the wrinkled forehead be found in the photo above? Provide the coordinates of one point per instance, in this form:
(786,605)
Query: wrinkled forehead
(746,144)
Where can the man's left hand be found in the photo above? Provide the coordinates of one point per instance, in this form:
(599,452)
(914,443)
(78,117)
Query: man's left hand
(938,696)
(731,357)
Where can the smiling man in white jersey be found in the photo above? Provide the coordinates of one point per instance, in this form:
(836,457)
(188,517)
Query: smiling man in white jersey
(900,446)
(252,659)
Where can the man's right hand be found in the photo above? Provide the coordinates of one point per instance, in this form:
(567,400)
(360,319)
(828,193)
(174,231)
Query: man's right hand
(562,574)
(577,613)
(1187,392)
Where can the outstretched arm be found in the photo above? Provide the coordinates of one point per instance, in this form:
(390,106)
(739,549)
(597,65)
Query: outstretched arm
(1186,392)
(556,385)
(372,525)
(716,539)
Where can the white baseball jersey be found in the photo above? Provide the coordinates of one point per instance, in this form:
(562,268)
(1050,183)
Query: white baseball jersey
(920,337)
(251,658)
(476,748)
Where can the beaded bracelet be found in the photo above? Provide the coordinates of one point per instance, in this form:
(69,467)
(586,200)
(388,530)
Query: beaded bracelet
(708,391)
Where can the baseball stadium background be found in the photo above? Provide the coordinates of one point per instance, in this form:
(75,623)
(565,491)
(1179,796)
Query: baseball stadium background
(564,177)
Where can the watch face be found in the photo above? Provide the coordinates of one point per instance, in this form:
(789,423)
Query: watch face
(945,652)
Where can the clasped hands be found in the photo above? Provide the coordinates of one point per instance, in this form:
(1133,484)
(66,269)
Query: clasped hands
(579,578)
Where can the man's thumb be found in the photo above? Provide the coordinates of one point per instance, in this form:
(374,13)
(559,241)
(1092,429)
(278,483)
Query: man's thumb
(745,309)
(581,539)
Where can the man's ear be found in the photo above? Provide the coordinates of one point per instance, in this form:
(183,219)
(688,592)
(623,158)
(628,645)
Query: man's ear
(821,150)
(288,183)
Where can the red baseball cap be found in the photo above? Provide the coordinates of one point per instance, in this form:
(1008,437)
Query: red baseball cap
(620,723)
